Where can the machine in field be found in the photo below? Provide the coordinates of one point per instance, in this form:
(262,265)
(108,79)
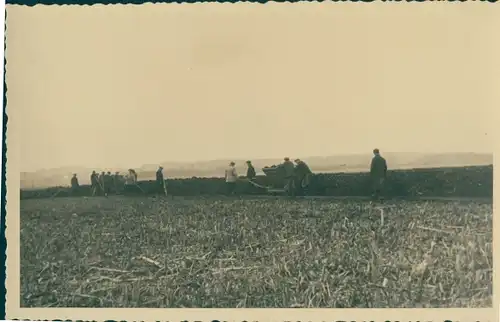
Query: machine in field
(275,180)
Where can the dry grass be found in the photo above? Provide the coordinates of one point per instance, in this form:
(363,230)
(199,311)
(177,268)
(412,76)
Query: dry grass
(187,252)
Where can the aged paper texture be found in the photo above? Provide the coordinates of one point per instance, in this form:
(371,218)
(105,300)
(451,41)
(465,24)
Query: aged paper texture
(194,87)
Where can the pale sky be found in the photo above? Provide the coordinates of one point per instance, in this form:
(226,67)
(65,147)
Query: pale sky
(120,86)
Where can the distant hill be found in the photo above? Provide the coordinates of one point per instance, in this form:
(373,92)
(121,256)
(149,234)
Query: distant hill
(215,168)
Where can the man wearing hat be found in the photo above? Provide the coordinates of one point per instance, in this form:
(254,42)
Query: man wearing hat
(378,172)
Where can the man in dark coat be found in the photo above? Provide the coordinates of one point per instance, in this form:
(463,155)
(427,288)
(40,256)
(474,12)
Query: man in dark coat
(251,175)
(378,173)
(303,173)
(250,171)
(74,185)
(160,181)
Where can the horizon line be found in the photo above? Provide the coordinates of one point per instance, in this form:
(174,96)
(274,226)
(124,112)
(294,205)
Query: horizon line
(260,158)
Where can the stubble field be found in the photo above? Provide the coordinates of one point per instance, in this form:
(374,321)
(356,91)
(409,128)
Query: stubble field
(216,252)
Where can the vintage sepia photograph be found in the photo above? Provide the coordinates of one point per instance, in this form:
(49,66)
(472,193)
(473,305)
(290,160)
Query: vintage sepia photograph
(250,156)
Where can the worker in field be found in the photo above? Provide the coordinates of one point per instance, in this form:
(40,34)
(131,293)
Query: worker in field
(378,173)
(289,174)
(102,182)
(94,183)
(108,183)
(131,186)
(129,179)
(133,175)
(303,175)
(117,182)
(129,183)
(251,174)
(231,177)
(75,186)
(160,181)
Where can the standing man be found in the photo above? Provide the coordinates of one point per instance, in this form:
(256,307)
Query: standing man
(250,171)
(74,185)
(160,181)
(289,171)
(102,182)
(108,182)
(251,174)
(131,185)
(231,177)
(94,183)
(304,174)
(132,176)
(117,181)
(378,173)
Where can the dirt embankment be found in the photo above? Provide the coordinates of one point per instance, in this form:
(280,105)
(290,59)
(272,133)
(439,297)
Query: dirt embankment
(474,181)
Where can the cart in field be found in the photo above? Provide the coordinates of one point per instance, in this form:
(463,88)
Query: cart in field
(275,180)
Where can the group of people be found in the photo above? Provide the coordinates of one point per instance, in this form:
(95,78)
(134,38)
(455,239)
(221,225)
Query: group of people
(297,178)
(105,183)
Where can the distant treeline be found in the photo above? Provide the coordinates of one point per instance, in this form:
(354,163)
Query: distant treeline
(474,181)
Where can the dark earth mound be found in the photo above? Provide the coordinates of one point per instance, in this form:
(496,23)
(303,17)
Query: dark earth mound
(474,181)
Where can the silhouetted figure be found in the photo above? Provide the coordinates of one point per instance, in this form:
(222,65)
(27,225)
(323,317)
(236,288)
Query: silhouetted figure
(117,182)
(129,183)
(160,181)
(133,175)
(102,182)
(131,186)
(378,173)
(303,175)
(289,172)
(250,171)
(94,183)
(251,175)
(75,186)
(108,183)
(231,177)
